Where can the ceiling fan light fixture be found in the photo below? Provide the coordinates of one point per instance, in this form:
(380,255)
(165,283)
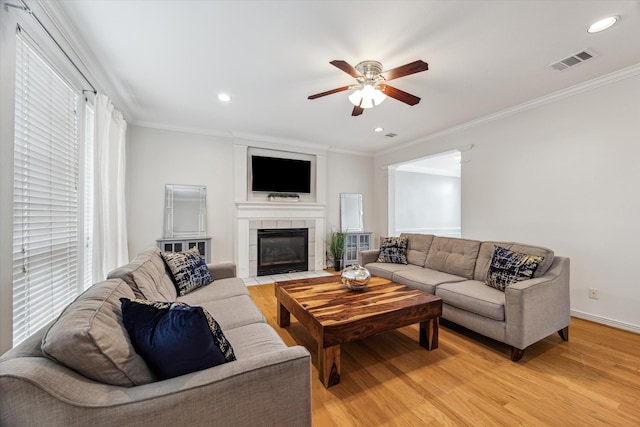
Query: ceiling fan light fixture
(367,96)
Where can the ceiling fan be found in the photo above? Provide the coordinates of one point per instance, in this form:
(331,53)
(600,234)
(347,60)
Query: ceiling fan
(372,88)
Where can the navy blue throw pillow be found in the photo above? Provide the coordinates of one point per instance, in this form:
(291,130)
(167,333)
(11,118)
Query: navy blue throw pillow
(175,338)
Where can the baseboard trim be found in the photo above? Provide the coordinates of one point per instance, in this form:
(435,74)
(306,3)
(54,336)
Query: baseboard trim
(606,321)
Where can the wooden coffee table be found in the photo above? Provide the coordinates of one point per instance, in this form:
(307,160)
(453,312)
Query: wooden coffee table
(334,315)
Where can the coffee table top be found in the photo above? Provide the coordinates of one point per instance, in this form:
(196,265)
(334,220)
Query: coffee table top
(330,304)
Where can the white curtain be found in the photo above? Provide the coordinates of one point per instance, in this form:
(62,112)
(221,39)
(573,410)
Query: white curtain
(110,222)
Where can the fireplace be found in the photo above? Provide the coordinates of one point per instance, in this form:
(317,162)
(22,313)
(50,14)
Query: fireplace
(283,250)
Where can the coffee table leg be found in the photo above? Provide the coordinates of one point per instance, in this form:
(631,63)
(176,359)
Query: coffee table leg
(429,333)
(329,364)
(283,316)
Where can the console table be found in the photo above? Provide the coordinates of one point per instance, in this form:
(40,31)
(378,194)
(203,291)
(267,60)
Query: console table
(179,244)
(355,242)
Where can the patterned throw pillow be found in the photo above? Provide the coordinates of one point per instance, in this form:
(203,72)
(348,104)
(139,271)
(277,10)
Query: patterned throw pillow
(393,249)
(189,270)
(175,338)
(508,267)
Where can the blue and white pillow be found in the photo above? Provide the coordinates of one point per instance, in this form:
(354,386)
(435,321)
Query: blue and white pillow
(509,267)
(189,270)
(175,338)
(393,249)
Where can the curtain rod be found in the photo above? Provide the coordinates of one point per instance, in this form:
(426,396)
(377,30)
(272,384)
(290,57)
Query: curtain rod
(26,8)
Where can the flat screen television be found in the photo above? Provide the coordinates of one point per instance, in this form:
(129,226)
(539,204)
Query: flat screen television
(280,175)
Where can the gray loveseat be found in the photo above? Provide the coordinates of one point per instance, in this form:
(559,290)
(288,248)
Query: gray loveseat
(455,270)
(269,383)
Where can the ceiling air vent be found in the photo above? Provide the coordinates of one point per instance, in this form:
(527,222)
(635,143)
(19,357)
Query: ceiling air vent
(572,60)
(391,135)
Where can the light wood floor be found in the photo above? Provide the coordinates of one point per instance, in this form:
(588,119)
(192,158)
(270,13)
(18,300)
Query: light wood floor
(389,380)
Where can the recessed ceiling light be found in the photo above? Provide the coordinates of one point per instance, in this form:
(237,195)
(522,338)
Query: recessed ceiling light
(602,24)
(378,129)
(224,97)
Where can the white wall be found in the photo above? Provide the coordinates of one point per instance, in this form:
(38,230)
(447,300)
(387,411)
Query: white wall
(157,157)
(563,175)
(349,173)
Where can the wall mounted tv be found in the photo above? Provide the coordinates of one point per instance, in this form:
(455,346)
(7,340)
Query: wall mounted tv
(280,175)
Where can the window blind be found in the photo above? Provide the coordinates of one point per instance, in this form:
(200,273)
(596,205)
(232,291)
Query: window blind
(88,195)
(46,196)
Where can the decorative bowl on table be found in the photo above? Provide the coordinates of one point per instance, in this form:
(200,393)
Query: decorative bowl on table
(355,277)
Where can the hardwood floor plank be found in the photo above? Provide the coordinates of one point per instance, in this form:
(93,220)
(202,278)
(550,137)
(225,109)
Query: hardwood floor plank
(389,380)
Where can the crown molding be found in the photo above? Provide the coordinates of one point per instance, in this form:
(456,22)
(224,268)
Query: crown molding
(196,131)
(605,80)
(248,138)
(350,152)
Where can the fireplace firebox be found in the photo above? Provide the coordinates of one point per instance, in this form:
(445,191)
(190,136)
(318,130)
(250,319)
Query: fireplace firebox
(283,250)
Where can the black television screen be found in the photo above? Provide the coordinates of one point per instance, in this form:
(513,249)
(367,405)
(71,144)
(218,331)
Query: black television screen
(280,175)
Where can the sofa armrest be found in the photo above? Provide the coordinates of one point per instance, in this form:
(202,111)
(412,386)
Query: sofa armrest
(537,308)
(222,270)
(368,256)
(269,389)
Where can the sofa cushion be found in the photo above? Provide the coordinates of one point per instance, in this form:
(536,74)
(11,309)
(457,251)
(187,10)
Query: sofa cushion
(189,270)
(233,312)
(486,253)
(508,267)
(453,256)
(217,290)
(424,279)
(386,269)
(89,337)
(148,276)
(393,250)
(175,338)
(473,296)
(254,340)
(417,247)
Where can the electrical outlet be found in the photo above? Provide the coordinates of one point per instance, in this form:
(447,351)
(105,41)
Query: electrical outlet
(593,293)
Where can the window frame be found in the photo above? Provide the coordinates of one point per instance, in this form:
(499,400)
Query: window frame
(52,57)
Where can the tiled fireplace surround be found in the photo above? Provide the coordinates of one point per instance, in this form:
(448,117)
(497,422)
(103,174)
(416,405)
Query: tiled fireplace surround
(254,213)
(254,216)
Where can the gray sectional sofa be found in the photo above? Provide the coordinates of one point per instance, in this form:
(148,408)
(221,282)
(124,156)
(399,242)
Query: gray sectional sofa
(97,379)
(456,269)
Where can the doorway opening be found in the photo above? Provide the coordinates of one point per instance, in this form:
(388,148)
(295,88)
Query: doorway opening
(427,195)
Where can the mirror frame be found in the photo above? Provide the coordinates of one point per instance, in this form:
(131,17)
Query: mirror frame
(351,215)
(197,216)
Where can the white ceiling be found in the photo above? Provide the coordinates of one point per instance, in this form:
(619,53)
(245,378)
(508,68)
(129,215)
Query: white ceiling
(166,61)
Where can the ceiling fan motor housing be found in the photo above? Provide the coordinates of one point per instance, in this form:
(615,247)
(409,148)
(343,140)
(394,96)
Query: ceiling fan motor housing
(370,69)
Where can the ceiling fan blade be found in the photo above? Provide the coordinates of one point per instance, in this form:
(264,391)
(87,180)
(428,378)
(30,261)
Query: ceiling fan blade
(357,110)
(346,67)
(400,95)
(329,92)
(405,70)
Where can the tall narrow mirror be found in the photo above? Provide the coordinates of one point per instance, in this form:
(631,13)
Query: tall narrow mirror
(351,212)
(185,208)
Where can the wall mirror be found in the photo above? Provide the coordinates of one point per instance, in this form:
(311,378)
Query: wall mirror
(351,212)
(185,210)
